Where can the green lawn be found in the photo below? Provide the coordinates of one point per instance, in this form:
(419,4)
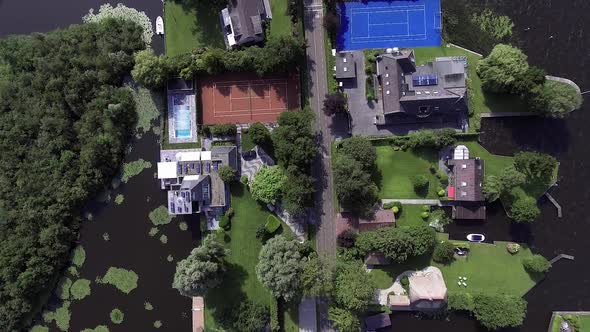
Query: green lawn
(397,167)
(246,142)
(280,25)
(489,269)
(479,101)
(240,280)
(410,216)
(191,26)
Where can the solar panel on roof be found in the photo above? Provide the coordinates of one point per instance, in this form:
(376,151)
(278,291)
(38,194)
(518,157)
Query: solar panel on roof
(424,80)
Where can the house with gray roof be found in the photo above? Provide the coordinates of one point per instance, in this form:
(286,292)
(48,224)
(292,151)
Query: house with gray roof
(243,22)
(411,92)
(192,181)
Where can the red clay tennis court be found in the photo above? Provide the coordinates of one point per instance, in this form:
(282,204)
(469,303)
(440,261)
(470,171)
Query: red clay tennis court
(246,98)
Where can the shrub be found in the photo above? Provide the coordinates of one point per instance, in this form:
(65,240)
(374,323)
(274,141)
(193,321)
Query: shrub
(225,129)
(230,212)
(274,315)
(399,207)
(261,232)
(388,205)
(226,173)
(259,134)
(499,27)
(524,209)
(426,208)
(425,215)
(225,222)
(420,183)
(272,224)
(347,239)
(536,264)
(405,282)
(444,252)
(442,176)
(461,301)
(268,183)
(117,316)
(244,180)
(432,168)
(499,311)
(513,248)
(441,192)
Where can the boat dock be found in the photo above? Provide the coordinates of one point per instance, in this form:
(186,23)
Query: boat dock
(198,314)
(554,202)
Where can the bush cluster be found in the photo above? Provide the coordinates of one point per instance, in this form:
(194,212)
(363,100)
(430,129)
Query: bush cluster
(536,264)
(444,252)
(398,243)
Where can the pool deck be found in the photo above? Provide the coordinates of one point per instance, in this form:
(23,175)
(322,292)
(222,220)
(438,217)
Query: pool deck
(170,118)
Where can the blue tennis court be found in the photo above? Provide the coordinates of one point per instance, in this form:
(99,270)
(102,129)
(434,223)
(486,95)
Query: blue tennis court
(393,23)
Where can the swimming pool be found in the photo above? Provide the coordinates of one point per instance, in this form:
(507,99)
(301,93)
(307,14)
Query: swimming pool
(182,121)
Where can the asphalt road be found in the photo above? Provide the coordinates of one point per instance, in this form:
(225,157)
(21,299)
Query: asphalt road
(322,169)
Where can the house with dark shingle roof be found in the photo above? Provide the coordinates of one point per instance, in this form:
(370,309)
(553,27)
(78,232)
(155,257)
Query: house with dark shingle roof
(408,91)
(466,185)
(244,22)
(192,181)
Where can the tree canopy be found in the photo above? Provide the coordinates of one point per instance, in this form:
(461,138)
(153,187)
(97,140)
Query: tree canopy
(65,120)
(279,268)
(524,209)
(535,165)
(353,289)
(335,103)
(354,188)
(344,320)
(398,243)
(294,139)
(226,173)
(150,70)
(499,311)
(502,68)
(360,149)
(268,183)
(202,270)
(259,134)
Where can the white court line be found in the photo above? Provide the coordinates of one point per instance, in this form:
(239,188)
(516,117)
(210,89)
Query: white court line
(392,40)
(387,23)
(372,9)
(389,36)
(408,26)
(352,37)
(393,11)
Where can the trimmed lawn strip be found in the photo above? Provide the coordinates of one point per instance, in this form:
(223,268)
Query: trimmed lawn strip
(479,102)
(281,24)
(397,168)
(330,63)
(489,269)
(410,216)
(189,28)
(240,279)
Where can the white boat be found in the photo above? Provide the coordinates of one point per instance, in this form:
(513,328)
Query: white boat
(476,237)
(159,25)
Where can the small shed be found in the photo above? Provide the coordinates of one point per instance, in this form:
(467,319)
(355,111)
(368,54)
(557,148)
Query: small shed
(376,322)
(345,65)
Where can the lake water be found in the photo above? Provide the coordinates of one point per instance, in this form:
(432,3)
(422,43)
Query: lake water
(558,40)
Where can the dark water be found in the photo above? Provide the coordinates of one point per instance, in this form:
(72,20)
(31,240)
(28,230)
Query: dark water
(27,16)
(566,287)
(130,247)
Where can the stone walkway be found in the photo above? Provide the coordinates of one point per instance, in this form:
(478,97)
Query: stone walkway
(381,295)
(251,167)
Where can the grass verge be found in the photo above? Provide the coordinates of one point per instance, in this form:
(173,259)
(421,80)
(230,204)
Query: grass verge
(396,169)
(191,25)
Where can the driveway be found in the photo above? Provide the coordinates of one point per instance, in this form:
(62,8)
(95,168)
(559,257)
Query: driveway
(307,315)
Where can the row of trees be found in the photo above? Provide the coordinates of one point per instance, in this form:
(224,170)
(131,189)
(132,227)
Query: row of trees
(528,168)
(353,165)
(278,55)
(506,70)
(397,243)
(65,120)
